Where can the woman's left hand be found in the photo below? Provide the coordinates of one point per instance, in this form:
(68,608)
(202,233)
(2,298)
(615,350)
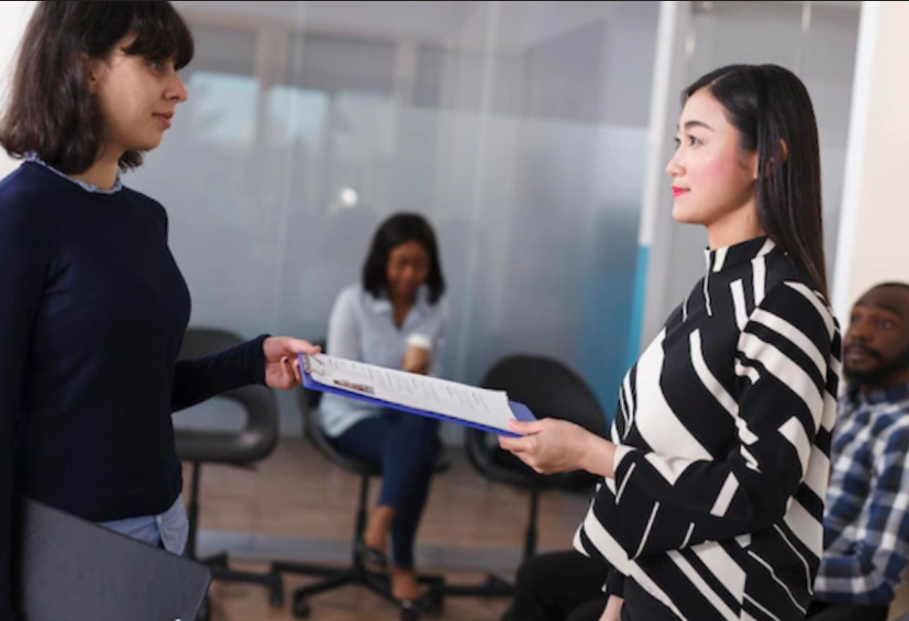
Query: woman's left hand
(550,446)
(282,369)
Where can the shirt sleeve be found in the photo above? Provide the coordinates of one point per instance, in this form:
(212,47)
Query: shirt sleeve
(22,280)
(872,569)
(787,382)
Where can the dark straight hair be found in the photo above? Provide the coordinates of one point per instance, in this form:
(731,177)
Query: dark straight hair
(396,230)
(770,107)
(51,111)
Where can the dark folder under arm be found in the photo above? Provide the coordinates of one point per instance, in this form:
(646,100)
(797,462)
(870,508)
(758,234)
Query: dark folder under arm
(66,568)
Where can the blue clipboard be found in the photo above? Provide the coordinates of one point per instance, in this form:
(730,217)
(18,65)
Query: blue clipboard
(520,411)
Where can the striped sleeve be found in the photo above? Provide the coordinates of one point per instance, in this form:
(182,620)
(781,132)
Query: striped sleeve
(787,375)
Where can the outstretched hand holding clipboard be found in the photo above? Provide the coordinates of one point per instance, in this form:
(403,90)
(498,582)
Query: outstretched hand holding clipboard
(487,410)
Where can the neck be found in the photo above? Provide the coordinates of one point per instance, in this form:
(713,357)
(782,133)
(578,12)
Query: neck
(401,301)
(739,226)
(102,174)
(893,380)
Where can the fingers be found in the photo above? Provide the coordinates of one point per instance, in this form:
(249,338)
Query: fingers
(295,369)
(515,445)
(290,372)
(299,346)
(526,428)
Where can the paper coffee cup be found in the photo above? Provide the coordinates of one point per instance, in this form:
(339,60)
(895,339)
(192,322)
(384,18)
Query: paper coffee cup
(419,348)
(419,341)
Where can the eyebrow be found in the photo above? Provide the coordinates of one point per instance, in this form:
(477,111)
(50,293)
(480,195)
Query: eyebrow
(884,307)
(690,124)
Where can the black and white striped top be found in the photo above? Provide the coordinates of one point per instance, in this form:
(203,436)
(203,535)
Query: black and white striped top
(723,431)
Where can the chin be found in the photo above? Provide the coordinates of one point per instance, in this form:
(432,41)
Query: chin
(147,144)
(861,376)
(685,217)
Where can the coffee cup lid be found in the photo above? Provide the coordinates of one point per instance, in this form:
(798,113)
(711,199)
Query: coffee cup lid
(419,340)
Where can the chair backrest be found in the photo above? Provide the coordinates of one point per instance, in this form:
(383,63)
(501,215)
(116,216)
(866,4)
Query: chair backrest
(551,390)
(259,435)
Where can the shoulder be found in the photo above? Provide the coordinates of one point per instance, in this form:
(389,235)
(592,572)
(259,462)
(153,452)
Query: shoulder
(23,200)
(895,432)
(441,308)
(794,323)
(350,299)
(896,436)
(796,303)
(146,203)
(791,296)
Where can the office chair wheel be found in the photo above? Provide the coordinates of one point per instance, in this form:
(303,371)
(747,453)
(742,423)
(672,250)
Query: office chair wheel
(301,608)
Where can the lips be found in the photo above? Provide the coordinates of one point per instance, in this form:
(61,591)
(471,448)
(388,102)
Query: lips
(857,353)
(164,117)
(677,191)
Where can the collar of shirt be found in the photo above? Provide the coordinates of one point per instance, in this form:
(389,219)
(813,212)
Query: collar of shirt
(877,397)
(382,306)
(88,187)
(720,259)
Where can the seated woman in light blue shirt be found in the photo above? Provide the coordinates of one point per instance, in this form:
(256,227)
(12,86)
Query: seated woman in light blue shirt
(401,294)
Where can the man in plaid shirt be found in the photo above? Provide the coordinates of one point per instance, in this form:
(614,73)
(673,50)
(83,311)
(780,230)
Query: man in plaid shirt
(866,526)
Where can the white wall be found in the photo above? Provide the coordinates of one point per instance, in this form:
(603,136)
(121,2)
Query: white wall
(13,17)
(876,208)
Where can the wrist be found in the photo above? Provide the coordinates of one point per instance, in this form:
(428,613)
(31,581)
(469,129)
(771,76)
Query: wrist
(598,456)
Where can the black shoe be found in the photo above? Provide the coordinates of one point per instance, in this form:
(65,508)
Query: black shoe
(371,557)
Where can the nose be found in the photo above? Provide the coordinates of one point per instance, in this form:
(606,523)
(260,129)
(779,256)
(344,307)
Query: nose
(675,168)
(176,90)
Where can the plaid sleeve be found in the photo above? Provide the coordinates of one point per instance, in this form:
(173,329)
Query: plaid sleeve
(870,572)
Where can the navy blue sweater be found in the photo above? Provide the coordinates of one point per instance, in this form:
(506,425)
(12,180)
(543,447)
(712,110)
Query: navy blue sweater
(92,314)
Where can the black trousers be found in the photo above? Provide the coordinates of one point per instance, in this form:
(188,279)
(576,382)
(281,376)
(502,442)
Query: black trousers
(568,586)
(560,586)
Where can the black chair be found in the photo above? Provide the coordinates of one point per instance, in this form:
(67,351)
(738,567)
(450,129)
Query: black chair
(551,390)
(356,573)
(244,448)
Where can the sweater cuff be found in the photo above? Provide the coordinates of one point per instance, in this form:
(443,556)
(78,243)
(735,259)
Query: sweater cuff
(615,584)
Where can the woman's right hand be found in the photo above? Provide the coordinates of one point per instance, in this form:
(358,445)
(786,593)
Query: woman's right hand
(420,368)
(613,611)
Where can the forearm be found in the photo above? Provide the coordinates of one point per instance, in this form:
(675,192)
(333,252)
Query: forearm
(203,378)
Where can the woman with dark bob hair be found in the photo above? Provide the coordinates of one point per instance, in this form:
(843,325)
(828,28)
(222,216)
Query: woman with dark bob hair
(93,307)
(399,302)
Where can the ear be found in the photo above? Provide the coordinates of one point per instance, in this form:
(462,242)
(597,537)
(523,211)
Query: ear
(784,150)
(93,71)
